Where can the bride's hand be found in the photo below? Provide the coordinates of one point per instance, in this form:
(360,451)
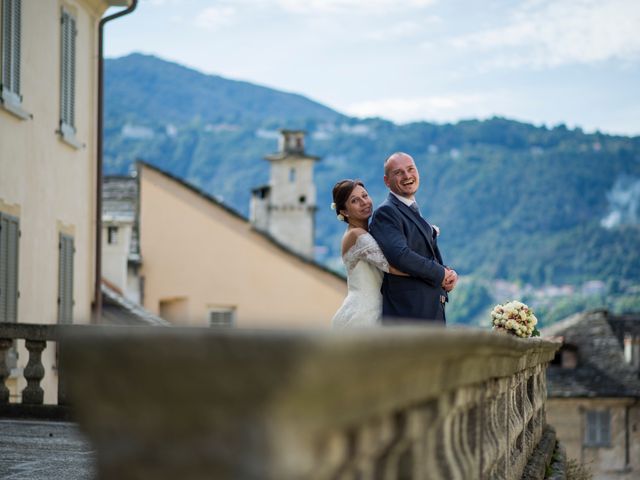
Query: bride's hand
(394,271)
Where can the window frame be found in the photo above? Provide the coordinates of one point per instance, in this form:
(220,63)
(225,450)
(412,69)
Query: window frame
(597,428)
(228,317)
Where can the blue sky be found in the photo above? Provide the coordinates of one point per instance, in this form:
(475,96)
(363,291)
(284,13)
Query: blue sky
(541,61)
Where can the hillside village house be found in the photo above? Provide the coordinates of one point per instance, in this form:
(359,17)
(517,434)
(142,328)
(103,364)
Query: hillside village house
(594,392)
(120,249)
(48,165)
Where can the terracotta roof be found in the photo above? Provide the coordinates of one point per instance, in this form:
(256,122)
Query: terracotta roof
(596,337)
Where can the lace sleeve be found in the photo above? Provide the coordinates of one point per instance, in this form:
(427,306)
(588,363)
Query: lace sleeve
(367,249)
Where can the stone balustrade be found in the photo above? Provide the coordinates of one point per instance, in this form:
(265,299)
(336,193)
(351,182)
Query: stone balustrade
(36,338)
(391,403)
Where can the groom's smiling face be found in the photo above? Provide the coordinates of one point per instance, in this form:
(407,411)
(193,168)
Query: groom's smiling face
(401,175)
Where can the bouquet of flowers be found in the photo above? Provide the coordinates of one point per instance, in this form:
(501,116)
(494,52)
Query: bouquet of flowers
(515,318)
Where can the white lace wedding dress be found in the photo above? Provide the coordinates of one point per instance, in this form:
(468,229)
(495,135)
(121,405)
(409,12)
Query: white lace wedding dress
(365,263)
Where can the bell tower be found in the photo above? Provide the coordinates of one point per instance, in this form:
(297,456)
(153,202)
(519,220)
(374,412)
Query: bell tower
(285,208)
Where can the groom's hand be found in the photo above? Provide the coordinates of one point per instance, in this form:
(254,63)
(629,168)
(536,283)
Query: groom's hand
(450,279)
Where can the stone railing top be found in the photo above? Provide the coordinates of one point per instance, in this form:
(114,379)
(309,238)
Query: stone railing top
(31,331)
(319,379)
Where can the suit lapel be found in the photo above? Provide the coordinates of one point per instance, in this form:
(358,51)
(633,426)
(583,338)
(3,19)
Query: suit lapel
(422,224)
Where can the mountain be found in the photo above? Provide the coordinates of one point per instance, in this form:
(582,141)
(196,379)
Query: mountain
(145,89)
(517,202)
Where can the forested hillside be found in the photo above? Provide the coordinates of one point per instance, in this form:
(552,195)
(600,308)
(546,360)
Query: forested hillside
(515,202)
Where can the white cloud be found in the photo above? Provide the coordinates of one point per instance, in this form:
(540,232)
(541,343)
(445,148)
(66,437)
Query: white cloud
(439,107)
(212,18)
(351,6)
(405,29)
(550,33)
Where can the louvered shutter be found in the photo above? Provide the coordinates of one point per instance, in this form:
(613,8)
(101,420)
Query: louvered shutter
(11,37)
(68,71)
(65,279)
(9,241)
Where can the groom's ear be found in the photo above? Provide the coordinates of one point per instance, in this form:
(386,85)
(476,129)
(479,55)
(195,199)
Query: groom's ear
(386,180)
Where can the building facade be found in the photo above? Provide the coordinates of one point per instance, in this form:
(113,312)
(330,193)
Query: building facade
(285,209)
(205,264)
(594,392)
(48,163)
(120,252)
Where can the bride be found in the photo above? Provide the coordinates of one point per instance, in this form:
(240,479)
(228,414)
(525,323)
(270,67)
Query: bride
(362,257)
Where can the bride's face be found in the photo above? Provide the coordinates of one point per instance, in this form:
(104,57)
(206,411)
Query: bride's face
(359,205)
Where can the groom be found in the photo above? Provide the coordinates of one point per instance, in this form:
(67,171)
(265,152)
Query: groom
(409,243)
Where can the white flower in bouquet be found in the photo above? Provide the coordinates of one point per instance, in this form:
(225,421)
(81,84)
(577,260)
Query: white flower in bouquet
(516,318)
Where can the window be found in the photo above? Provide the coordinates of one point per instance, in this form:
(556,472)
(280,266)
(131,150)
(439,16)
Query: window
(68,77)
(598,428)
(65,278)
(10,96)
(221,317)
(292,175)
(112,235)
(9,239)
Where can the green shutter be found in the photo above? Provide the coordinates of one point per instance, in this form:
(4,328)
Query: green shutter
(68,70)
(11,35)
(9,241)
(65,279)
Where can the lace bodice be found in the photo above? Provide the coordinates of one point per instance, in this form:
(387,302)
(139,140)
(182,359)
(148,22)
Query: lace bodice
(366,248)
(365,263)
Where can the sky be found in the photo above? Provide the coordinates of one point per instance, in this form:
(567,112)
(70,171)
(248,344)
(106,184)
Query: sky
(544,62)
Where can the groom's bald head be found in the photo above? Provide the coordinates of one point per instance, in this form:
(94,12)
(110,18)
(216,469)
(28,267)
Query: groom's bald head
(401,175)
(391,160)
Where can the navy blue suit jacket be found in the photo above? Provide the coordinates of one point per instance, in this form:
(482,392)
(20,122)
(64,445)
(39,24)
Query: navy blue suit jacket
(409,243)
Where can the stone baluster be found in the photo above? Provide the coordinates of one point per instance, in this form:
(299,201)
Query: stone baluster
(529,412)
(490,442)
(33,394)
(504,433)
(365,446)
(5,345)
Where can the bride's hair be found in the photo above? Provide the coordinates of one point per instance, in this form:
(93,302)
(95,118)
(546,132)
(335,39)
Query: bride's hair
(341,192)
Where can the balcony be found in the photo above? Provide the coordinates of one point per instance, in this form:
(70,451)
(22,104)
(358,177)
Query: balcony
(396,403)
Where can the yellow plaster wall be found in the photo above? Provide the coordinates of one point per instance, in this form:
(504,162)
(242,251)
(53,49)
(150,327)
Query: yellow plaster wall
(194,249)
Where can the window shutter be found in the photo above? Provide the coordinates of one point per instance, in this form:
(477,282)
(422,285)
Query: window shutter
(65,279)
(11,35)
(4,254)
(72,71)
(68,70)
(15,67)
(9,240)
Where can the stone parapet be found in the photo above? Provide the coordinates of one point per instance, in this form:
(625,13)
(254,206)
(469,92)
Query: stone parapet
(422,403)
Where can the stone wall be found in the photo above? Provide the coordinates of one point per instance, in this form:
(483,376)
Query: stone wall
(423,403)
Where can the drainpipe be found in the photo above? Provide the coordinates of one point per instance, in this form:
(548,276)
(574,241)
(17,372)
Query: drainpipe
(97,303)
